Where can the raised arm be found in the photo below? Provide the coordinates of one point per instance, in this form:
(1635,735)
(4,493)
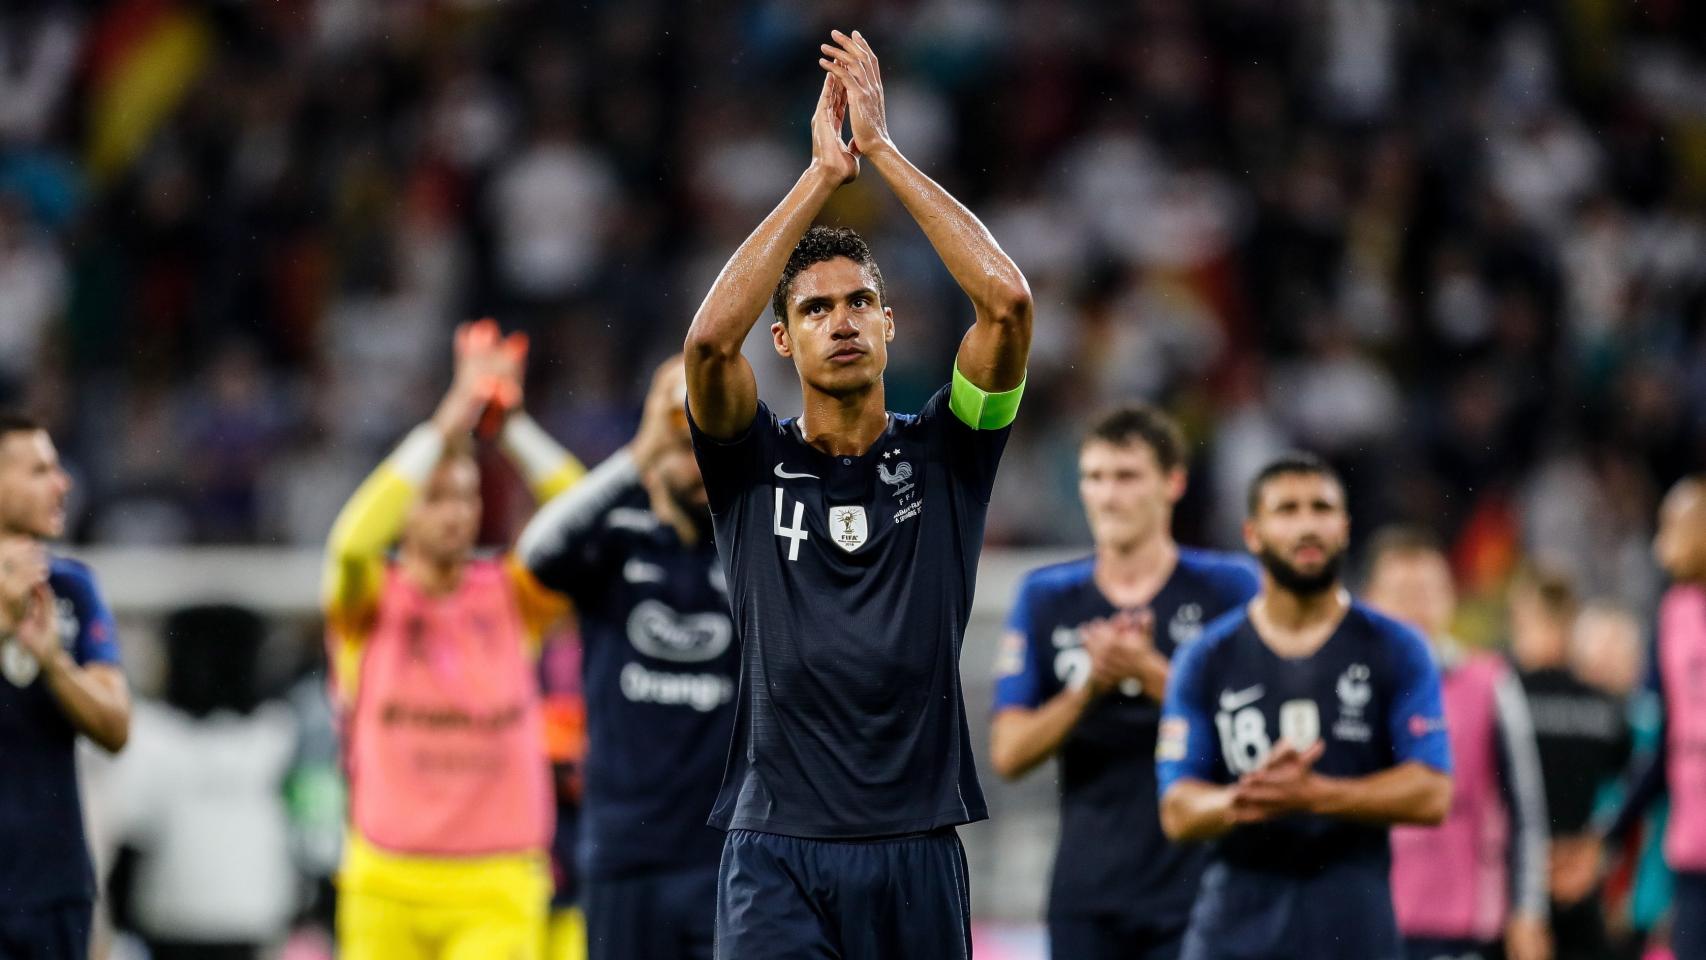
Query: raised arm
(994,352)
(373,518)
(721,391)
(548,467)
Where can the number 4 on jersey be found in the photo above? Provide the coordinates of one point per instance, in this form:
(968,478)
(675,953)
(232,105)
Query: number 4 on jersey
(795,533)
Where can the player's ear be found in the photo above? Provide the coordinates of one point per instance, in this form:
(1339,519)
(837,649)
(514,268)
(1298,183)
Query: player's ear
(1177,478)
(779,338)
(888,324)
(1252,542)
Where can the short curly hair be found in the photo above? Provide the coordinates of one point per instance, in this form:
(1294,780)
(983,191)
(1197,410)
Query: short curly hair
(1295,463)
(1141,423)
(820,245)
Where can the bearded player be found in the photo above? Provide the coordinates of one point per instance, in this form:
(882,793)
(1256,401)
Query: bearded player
(850,537)
(433,653)
(1296,732)
(631,546)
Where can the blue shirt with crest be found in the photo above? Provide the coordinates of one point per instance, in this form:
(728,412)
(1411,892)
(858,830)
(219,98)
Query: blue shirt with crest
(44,858)
(1371,691)
(850,580)
(1113,860)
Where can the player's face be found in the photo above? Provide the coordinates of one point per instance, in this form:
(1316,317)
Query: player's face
(1539,635)
(677,470)
(1299,531)
(1680,544)
(1127,497)
(33,486)
(837,331)
(445,521)
(1415,587)
(1608,650)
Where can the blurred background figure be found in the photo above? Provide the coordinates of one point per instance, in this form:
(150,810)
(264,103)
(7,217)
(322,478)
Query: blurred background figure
(1584,742)
(60,680)
(1083,666)
(434,652)
(1605,648)
(1474,887)
(631,546)
(1678,675)
(201,798)
(1606,652)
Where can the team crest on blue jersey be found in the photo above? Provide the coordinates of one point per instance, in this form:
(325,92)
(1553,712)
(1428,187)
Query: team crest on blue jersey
(1354,693)
(17,664)
(848,527)
(1186,624)
(900,478)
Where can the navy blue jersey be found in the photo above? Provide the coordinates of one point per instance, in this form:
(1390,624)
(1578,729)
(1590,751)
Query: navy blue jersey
(43,856)
(1371,692)
(659,667)
(851,582)
(1113,858)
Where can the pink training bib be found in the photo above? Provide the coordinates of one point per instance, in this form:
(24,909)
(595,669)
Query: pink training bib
(1452,881)
(446,741)
(1682,661)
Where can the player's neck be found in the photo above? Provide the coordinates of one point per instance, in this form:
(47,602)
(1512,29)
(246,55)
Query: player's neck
(433,577)
(1544,655)
(671,513)
(843,426)
(1294,624)
(1131,574)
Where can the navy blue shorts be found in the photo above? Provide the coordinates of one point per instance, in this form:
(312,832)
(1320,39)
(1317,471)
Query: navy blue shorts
(56,932)
(1342,913)
(1111,938)
(665,915)
(1426,948)
(1688,917)
(884,899)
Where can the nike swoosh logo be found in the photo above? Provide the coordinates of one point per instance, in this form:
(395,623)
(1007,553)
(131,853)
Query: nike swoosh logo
(794,476)
(1230,701)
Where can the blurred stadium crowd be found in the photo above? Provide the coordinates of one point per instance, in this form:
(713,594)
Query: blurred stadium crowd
(1456,246)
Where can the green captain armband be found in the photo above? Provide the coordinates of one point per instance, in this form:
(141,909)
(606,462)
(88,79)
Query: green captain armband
(979,409)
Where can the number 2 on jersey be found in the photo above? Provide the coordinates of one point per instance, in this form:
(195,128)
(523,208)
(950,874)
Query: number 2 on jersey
(795,533)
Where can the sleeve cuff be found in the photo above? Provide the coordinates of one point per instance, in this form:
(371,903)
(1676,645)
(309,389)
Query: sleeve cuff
(419,453)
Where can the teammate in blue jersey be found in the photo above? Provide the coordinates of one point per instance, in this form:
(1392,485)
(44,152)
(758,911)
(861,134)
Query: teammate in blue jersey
(59,677)
(631,545)
(850,536)
(1295,732)
(1082,668)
